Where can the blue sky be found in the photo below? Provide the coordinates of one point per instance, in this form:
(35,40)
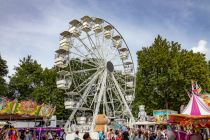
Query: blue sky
(33,26)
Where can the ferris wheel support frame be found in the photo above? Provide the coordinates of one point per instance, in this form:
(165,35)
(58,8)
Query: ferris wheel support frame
(80,101)
(103,85)
(122,97)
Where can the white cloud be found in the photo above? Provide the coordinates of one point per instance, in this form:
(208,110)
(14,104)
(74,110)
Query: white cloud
(202,48)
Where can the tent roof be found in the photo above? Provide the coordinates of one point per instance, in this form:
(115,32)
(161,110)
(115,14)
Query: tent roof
(196,107)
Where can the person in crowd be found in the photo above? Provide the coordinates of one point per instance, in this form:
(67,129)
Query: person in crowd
(110,135)
(125,135)
(152,135)
(34,135)
(14,135)
(49,135)
(132,134)
(28,135)
(62,135)
(146,135)
(86,136)
(6,136)
(76,135)
(101,135)
(139,136)
(22,135)
(118,135)
(44,136)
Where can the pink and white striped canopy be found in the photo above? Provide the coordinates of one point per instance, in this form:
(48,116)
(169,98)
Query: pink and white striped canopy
(196,107)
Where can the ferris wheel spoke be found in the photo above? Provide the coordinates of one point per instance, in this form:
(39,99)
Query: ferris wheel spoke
(111,101)
(82,71)
(101,49)
(83,56)
(122,96)
(119,78)
(115,57)
(84,63)
(94,45)
(108,46)
(100,95)
(87,91)
(80,103)
(116,94)
(105,103)
(85,82)
(97,89)
(110,94)
(89,50)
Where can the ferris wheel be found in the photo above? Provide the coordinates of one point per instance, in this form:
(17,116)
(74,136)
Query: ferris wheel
(96,71)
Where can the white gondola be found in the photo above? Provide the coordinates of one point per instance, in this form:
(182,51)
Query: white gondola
(81,120)
(66,41)
(123,53)
(63,72)
(117,41)
(70,104)
(75,28)
(63,83)
(65,44)
(98,25)
(61,61)
(130,84)
(108,31)
(128,67)
(86,23)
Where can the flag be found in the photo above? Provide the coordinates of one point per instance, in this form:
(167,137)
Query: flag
(195,87)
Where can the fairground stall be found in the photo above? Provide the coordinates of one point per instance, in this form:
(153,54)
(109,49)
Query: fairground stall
(21,115)
(194,117)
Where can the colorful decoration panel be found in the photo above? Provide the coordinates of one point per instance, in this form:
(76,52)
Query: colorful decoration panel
(6,106)
(25,108)
(162,115)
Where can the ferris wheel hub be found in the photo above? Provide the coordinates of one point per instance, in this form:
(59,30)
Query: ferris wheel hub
(110,66)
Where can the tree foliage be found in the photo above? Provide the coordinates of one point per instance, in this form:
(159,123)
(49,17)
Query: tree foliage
(165,71)
(26,79)
(3,73)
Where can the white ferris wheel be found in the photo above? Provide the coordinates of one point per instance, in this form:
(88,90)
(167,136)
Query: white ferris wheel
(96,71)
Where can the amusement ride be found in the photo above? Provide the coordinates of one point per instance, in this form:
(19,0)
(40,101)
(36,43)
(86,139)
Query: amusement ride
(96,71)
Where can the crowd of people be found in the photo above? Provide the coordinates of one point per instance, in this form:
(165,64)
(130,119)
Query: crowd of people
(14,134)
(136,134)
(130,134)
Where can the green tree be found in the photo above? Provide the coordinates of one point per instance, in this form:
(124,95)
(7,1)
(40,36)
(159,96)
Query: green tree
(3,73)
(165,72)
(48,93)
(26,78)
